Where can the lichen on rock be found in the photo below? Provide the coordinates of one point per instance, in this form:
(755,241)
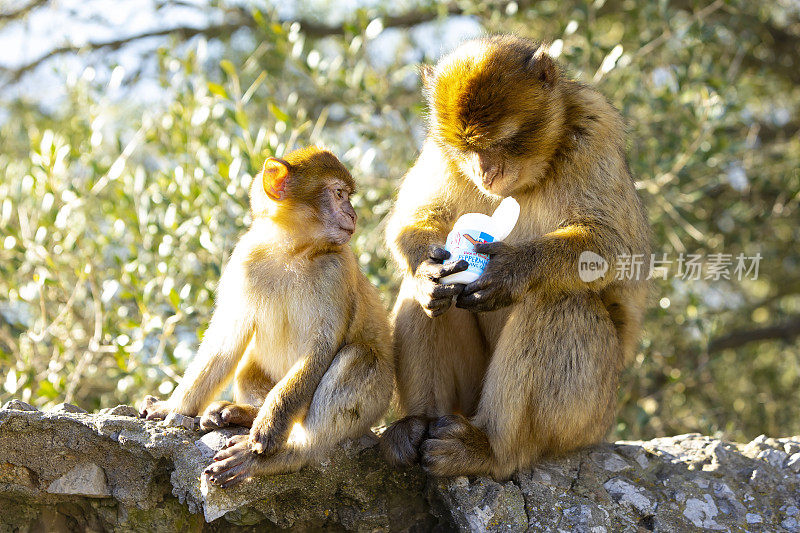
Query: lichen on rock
(112,471)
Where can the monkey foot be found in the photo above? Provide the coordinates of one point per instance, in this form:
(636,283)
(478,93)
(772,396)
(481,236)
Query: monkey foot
(401,441)
(233,464)
(455,448)
(223,414)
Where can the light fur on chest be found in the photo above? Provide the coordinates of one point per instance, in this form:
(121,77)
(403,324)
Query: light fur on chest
(286,320)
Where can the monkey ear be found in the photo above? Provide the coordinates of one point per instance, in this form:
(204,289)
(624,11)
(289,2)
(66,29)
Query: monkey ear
(273,176)
(543,66)
(426,74)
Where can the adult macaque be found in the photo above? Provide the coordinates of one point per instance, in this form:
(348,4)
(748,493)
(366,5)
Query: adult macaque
(303,329)
(527,363)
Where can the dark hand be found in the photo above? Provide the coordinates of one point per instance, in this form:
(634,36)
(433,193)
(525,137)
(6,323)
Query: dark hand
(501,283)
(435,297)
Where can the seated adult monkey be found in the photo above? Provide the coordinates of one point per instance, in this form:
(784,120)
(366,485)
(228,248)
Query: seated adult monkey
(303,329)
(527,362)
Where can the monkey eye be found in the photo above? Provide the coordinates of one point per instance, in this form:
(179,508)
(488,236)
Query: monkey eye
(340,193)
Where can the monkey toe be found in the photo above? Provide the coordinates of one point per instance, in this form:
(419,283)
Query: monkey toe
(444,457)
(236,439)
(239,415)
(456,447)
(266,440)
(449,426)
(146,402)
(213,418)
(234,446)
(210,422)
(231,465)
(155,409)
(401,441)
(230,471)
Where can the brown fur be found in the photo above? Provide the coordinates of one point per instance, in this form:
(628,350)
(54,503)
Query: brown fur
(531,356)
(298,323)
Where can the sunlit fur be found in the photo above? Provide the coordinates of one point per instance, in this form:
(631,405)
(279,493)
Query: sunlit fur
(538,376)
(300,326)
(297,220)
(498,96)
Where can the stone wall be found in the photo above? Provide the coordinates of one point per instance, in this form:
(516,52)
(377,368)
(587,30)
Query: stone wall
(67,470)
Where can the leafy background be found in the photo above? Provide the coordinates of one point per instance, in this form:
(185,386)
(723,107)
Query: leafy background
(129,135)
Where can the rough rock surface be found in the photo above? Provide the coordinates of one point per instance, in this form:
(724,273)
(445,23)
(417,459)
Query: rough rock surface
(66,470)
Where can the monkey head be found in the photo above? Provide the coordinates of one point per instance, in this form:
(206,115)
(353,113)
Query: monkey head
(496,112)
(307,194)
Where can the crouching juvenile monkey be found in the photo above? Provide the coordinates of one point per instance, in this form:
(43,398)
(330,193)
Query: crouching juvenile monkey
(303,329)
(527,363)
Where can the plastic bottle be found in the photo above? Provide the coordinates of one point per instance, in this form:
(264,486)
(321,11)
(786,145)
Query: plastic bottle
(472,228)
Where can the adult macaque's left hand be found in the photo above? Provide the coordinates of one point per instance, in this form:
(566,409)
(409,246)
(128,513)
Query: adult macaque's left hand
(501,284)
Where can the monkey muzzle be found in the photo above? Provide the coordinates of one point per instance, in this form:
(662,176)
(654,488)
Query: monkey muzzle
(490,170)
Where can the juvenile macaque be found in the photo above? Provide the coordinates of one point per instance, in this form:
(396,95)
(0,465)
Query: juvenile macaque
(527,363)
(298,323)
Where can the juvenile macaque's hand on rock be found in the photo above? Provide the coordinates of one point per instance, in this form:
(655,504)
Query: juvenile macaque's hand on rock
(502,282)
(435,297)
(222,414)
(154,409)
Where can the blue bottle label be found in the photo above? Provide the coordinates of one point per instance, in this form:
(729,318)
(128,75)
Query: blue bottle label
(461,245)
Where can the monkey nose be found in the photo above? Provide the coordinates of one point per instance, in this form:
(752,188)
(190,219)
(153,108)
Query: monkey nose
(489,176)
(352,214)
(489,169)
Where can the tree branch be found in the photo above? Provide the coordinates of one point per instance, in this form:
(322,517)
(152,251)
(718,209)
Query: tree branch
(22,10)
(237,18)
(406,20)
(184,32)
(786,331)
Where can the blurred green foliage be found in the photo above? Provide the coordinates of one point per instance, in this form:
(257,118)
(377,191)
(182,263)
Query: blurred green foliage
(116,217)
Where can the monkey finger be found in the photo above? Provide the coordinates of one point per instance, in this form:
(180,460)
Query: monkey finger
(154,413)
(147,402)
(473,301)
(436,303)
(224,453)
(491,248)
(437,252)
(483,307)
(402,439)
(447,290)
(231,450)
(478,285)
(235,480)
(265,443)
(439,307)
(448,426)
(450,268)
(439,312)
(228,471)
(428,270)
(236,439)
(211,421)
(442,457)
